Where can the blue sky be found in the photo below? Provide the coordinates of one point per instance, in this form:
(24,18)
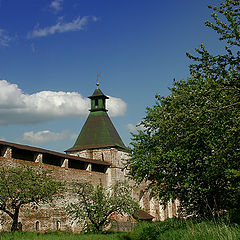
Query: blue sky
(52,50)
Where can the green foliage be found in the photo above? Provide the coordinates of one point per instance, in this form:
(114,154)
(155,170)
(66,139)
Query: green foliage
(189,148)
(25,185)
(226,66)
(185,230)
(96,205)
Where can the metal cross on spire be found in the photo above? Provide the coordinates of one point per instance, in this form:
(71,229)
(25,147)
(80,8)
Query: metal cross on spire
(98,75)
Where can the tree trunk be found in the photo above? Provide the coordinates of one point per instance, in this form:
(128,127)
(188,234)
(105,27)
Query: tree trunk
(15,219)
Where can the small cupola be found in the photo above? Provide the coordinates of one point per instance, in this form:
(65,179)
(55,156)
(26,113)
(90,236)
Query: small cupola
(98,100)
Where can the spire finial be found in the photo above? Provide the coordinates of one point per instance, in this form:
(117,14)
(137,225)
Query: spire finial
(98,75)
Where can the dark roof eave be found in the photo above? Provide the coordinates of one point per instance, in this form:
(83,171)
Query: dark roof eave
(97,96)
(98,93)
(91,147)
(63,155)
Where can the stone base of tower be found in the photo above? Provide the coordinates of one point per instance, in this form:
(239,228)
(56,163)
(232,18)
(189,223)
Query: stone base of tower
(118,172)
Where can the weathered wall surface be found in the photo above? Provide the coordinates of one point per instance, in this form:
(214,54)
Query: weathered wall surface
(51,217)
(116,171)
(140,193)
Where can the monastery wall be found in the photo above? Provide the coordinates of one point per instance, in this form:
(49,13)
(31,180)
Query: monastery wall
(48,217)
(117,172)
(105,165)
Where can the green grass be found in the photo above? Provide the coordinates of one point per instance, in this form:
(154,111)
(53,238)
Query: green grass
(184,230)
(57,236)
(172,229)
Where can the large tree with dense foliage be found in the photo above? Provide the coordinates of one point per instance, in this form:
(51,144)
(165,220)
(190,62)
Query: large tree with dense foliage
(190,146)
(95,206)
(25,185)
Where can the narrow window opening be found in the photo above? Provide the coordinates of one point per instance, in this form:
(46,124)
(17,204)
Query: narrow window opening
(37,226)
(58,225)
(96,103)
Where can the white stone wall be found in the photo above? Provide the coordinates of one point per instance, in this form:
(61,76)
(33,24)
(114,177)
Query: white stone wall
(117,172)
(48,217)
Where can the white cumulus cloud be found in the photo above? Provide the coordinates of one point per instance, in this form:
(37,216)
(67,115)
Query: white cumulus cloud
(4,38)
(56,5)
(116,106)
(131,127)
(134,128)
(17,107)
(43,136)
(61,27)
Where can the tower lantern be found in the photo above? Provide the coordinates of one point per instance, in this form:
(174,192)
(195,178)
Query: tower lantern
(98,100)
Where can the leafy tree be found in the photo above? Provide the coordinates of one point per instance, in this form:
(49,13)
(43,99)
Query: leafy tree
(95,205)
(25,185)
(189,148)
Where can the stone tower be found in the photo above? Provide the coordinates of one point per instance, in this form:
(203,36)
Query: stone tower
(100,140)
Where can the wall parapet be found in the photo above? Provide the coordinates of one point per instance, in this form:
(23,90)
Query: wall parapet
(43,156)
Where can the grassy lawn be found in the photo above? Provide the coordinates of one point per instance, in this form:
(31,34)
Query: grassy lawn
(57,236)
(168,230)
(184,230)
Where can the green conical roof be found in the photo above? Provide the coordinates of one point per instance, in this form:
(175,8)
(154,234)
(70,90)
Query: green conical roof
(98,131)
